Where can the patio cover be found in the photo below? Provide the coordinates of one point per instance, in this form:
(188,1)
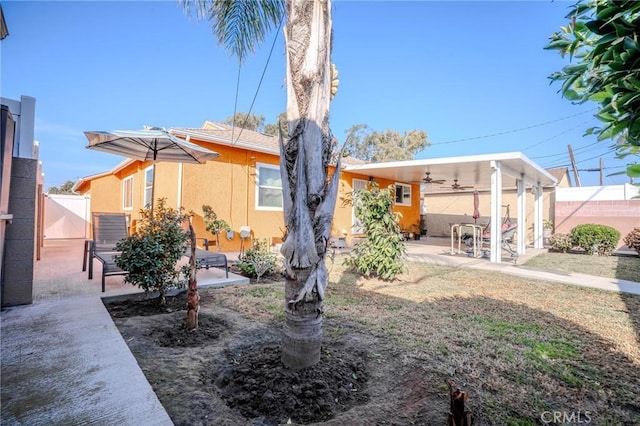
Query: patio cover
(481,171)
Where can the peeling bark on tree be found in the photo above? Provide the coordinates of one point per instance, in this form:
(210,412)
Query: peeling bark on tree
(193,298)
(309,196)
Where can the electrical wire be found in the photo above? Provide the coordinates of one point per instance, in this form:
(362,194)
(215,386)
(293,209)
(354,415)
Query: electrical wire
(235,104)
(557,135)
(564,153)
(512,130)
(553,165)
(255,96)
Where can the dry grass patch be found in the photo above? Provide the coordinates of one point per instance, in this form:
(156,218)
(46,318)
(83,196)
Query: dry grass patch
(619,267)
(520,346)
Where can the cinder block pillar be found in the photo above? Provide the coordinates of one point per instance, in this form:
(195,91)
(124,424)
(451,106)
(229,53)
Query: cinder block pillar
(20,237)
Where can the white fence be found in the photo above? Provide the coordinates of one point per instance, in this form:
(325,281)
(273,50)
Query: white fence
(598,193)
(66,216)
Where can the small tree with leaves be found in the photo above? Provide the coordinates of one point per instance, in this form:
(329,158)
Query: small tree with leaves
(213,224)
(65,188)
(380,254)
(152,253)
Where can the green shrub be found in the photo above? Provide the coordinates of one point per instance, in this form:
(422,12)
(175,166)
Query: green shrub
(150,256)
(561,242)
(632,239)
(593,238)
(380,254)
(213,224)
(258,260)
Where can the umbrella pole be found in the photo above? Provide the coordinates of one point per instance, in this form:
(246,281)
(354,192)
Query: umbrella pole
(153,185)
(153,179)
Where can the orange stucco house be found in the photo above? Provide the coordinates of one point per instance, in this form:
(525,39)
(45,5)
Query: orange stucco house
(242,186)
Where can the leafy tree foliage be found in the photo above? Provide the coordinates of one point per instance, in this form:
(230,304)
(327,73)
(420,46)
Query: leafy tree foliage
(272,129)
(150,256)
(390,145)
(381,253)
(65,188)
(604,39)
(246,121)
(213,224)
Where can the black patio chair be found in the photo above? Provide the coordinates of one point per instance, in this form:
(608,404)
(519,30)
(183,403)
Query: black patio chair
(108,229)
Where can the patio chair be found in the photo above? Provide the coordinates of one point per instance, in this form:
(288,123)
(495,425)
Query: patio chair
(209,259)
(507,232)
(108,229)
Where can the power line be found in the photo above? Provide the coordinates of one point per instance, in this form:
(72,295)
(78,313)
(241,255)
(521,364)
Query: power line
(564,153)
(513,130)
(255,96)
(560,162)
(557,135)
(556,165)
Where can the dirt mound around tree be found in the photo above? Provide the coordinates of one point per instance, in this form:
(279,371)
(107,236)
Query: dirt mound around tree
(228,372)
(256,383)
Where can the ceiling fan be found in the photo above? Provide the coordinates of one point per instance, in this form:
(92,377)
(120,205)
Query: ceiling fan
(457,186)
(427,179)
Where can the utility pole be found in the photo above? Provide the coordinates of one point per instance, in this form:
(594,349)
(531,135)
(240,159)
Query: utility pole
(573,165)
(596,170)
(601,168)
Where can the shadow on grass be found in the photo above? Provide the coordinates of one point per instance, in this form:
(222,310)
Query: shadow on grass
(517,362)
(628,268)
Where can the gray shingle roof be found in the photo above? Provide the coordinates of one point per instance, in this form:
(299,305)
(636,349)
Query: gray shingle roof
(225,134)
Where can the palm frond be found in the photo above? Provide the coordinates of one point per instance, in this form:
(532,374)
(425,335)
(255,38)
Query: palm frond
(239,25)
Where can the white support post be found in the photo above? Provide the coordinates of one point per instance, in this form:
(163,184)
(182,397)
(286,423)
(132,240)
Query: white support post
(537,226)
(522,215)
(496,212)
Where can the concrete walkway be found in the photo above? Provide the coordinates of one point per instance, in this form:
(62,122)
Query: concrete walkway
(64,361)
(439,251)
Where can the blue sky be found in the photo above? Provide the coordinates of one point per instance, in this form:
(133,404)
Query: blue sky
(473,75)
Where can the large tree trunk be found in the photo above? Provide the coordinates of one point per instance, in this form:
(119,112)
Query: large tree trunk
(308,196)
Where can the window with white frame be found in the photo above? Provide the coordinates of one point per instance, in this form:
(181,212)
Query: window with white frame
(268,187)
(148,186)
(403,194)
(127,193)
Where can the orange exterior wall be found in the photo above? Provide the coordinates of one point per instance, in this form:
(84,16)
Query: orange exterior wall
(228,185)
(343,218)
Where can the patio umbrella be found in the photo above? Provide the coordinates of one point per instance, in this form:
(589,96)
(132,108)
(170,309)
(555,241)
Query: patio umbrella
(476,206)
(152,143)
